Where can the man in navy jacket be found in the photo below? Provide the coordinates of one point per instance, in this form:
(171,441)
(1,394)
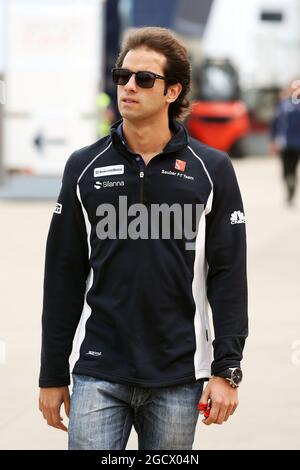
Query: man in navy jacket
(148,237)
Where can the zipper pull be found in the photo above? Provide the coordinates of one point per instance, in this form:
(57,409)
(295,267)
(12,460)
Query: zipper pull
(141,174)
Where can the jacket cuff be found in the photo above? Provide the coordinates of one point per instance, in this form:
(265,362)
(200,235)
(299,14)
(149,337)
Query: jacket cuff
(228,352)
(54,382)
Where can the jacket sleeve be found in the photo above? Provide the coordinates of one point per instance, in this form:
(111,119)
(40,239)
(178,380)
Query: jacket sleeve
(226,276)
(66,271)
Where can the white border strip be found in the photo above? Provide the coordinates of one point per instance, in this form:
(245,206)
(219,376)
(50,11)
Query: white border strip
(95,158)
(204,167)
(211,195)
(86,311)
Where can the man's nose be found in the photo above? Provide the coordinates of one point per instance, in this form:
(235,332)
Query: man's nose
(131,84)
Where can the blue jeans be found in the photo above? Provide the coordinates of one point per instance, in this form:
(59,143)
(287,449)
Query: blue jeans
(102,414)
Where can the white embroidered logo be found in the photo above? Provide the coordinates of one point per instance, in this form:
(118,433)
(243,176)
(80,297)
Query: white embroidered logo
(58,208)
(94,353)
(237,217)
(108,184)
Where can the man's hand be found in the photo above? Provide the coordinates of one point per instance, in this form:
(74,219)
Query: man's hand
(50,401)
(221,398)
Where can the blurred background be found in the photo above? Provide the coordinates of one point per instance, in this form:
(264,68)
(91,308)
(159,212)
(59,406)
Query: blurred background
(56,95)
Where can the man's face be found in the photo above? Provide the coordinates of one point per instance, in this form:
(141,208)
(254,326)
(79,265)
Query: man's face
(136,103)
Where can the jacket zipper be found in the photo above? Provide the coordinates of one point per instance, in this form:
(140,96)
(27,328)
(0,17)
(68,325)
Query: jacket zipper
(142,179)
(142,174)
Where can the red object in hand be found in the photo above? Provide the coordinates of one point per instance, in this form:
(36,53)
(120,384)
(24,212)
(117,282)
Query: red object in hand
(205,408)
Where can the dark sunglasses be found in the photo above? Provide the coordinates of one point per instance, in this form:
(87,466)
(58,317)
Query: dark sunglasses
(143,78)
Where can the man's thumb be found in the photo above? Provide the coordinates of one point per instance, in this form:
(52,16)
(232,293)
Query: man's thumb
(67,406)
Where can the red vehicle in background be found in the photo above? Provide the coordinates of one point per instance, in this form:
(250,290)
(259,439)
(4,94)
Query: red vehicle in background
(219,117)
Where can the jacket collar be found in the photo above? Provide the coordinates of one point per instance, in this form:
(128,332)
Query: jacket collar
(178,141)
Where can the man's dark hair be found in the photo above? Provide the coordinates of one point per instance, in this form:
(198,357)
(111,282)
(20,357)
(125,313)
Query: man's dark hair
(177,68)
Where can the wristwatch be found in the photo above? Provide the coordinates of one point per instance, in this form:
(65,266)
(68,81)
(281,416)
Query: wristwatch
(234,376)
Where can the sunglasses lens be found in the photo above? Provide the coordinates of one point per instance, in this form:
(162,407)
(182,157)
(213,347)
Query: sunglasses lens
(145,79)
(121,76)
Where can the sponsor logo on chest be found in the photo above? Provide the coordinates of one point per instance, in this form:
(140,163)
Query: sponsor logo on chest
(109,170)
(108,184)
(180,165)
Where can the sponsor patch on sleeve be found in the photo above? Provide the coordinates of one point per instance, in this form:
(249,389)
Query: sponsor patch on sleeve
(237,217)
(58,208)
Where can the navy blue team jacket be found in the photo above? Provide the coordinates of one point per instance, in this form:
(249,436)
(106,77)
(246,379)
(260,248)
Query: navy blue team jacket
(138,311)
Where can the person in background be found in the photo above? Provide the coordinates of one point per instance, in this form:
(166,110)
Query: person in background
(285,136)
(105,114)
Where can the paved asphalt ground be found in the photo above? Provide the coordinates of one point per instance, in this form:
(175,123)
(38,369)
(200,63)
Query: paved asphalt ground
(269,413)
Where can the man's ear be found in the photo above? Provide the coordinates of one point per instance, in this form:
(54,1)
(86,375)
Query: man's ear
(173,92)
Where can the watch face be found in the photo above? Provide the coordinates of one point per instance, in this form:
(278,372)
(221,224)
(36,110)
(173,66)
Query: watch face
(237,375)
